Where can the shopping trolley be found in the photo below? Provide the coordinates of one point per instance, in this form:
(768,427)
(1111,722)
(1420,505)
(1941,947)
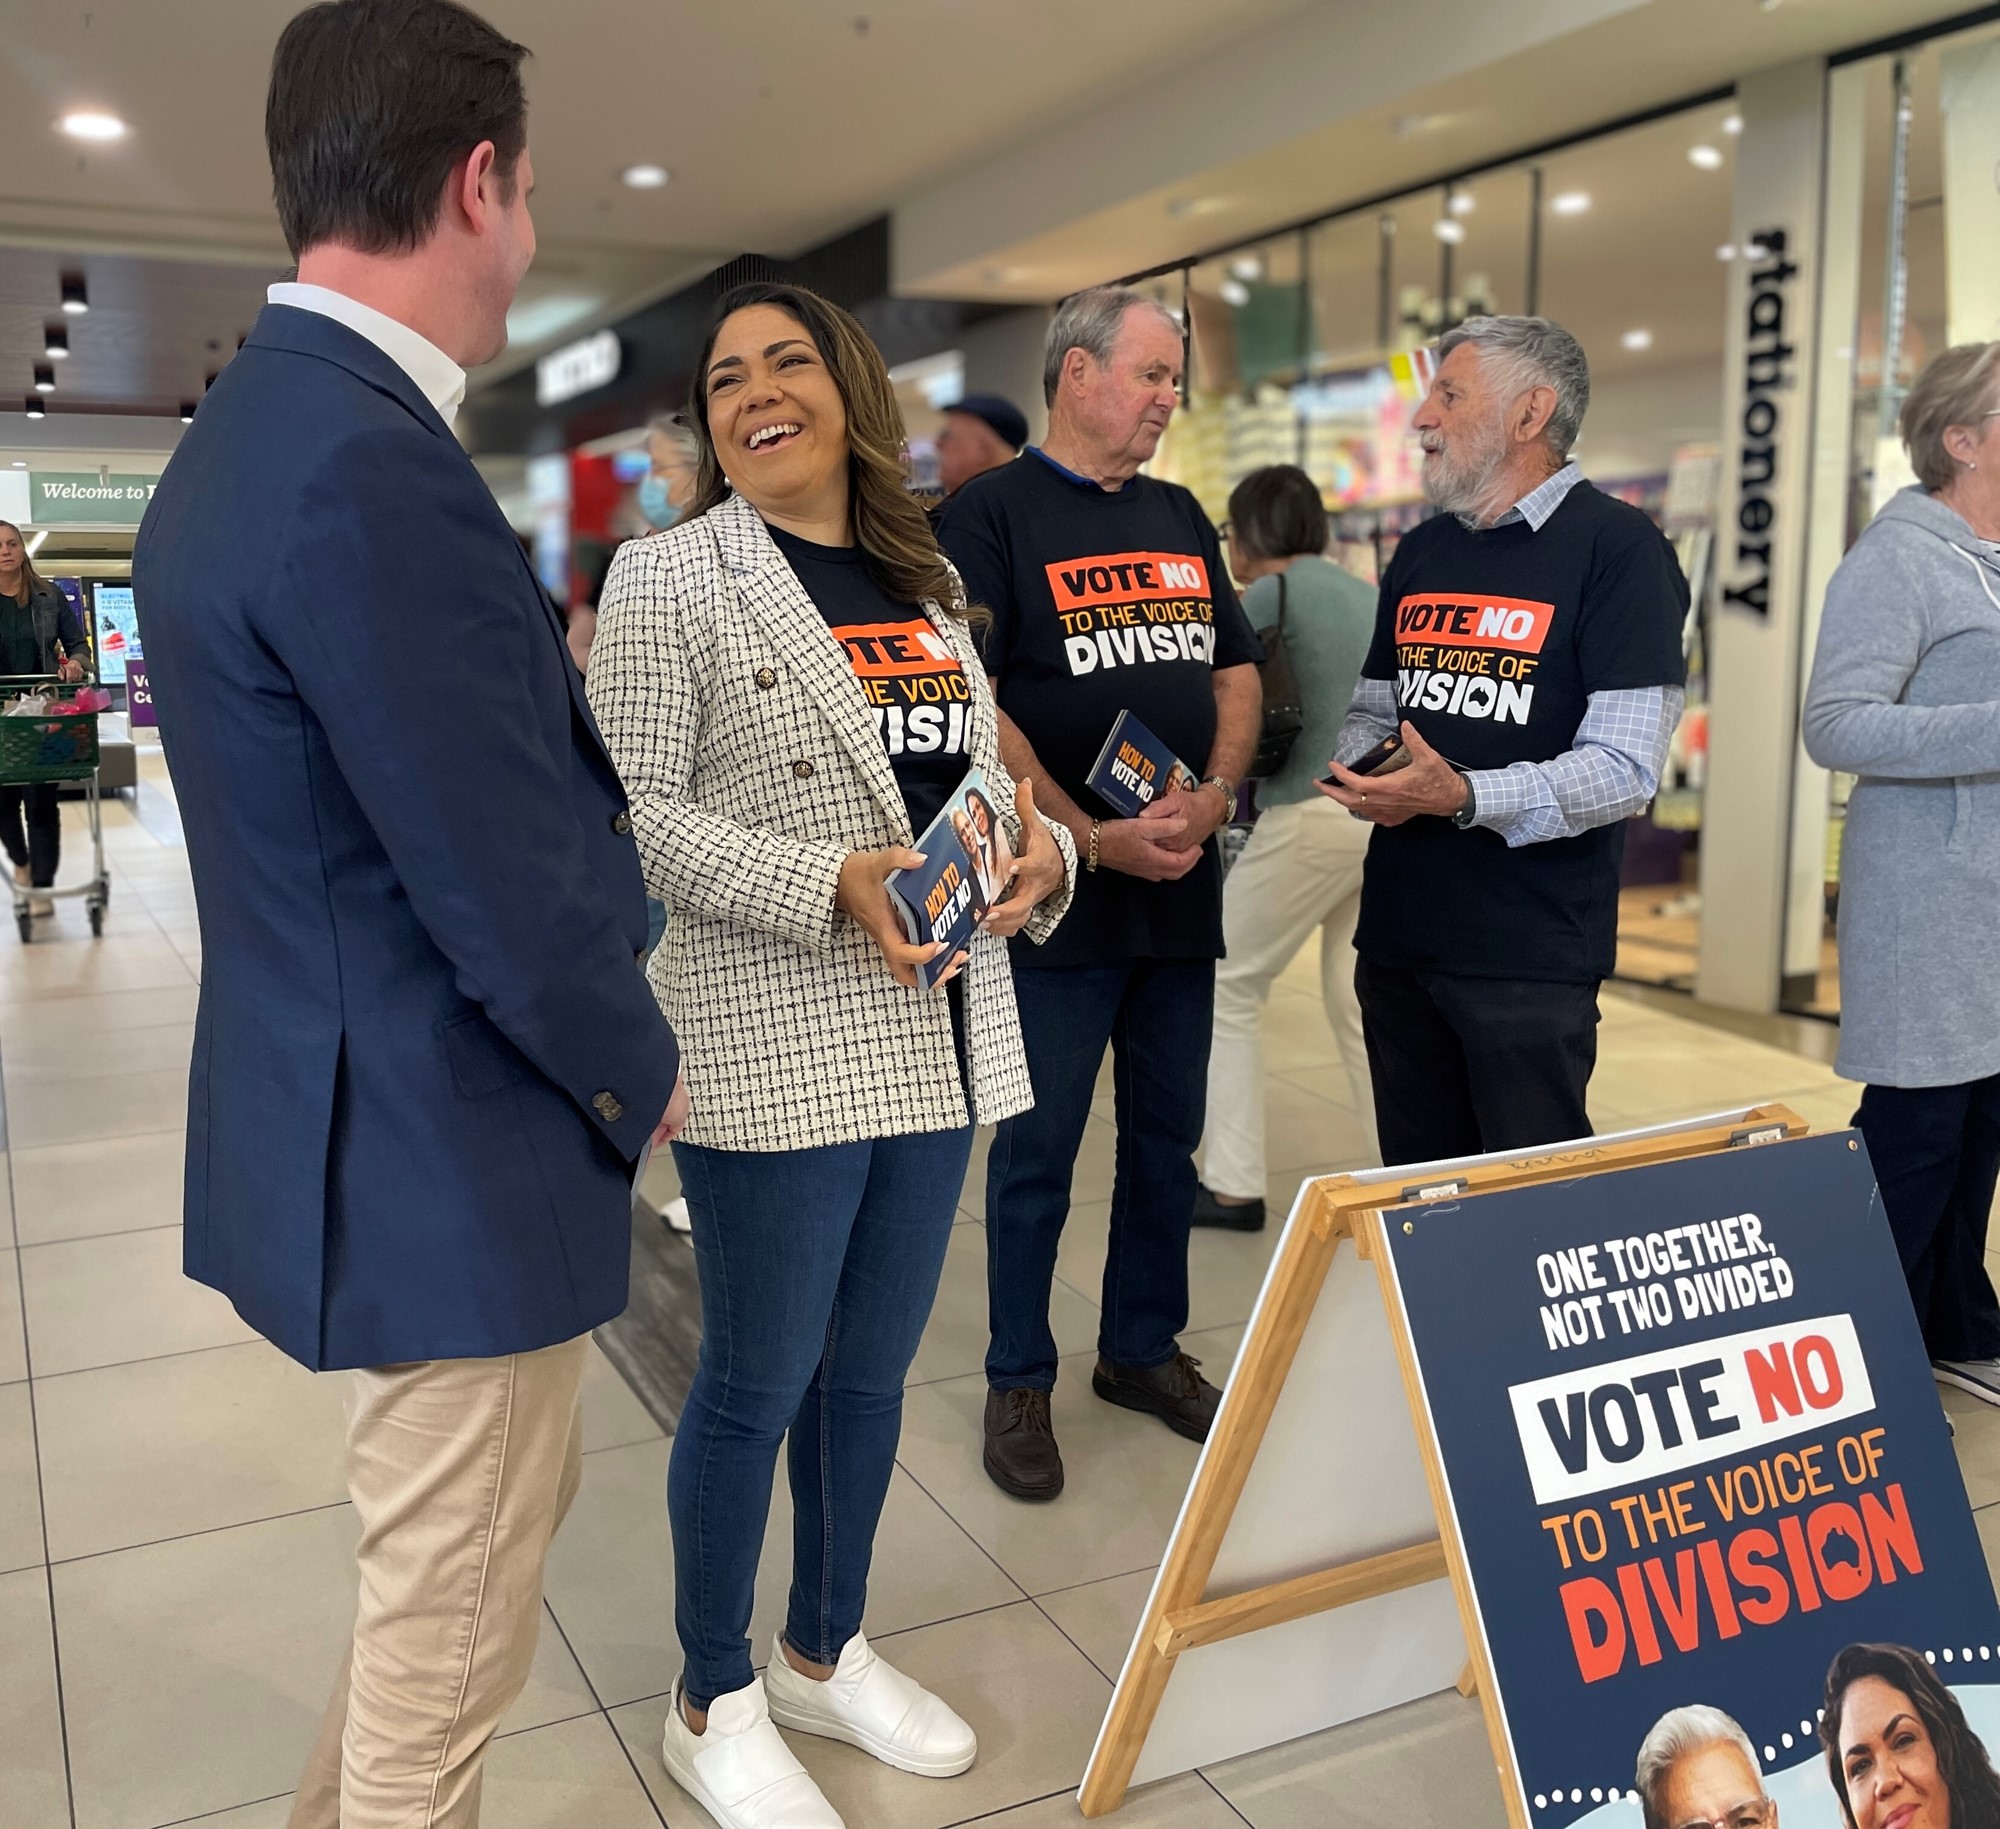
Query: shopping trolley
(36,747)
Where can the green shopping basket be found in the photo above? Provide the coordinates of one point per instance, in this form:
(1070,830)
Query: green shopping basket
(40,748)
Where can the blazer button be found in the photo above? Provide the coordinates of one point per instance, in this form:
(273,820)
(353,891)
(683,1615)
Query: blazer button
(622,824)
(608,1108)
(802,769)
(766,679)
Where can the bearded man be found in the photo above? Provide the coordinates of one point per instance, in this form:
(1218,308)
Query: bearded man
(1528,652)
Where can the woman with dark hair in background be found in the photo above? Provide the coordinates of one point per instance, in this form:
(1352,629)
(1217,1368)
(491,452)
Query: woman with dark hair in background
(1898,1748)
(40,633)
(760,676)
(1301,869)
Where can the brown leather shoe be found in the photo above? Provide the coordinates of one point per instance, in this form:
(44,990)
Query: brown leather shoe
(1021,1453)
(1175,1392)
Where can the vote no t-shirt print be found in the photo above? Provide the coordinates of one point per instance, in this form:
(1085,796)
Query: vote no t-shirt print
(1132,609)
(1470,656)
(915,683)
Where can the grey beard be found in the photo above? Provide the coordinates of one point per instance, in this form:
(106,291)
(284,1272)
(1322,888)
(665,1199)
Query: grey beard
(1463,490)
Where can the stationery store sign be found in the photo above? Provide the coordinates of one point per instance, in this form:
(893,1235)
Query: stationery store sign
(1768,358)
(68,497)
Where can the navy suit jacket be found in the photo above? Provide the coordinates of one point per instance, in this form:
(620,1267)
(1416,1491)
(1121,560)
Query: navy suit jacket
(425,1057)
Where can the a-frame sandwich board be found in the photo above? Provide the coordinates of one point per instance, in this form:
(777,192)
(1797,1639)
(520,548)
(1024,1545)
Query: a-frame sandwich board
(1314,1575)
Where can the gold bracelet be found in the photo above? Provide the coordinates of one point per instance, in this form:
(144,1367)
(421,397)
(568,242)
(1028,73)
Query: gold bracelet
(1090,860)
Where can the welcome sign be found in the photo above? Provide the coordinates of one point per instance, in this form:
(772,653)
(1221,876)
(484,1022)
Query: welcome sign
(86,497)
(1692,1452)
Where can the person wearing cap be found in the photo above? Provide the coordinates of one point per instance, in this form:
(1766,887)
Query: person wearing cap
(980,433)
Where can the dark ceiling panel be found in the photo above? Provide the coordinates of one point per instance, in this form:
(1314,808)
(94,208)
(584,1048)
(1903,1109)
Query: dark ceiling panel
(155,330)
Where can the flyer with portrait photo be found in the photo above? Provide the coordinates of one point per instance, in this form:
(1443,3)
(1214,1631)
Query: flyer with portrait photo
(1134,768)
(965,871)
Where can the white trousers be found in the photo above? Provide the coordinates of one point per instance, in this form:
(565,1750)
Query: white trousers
(1301,870)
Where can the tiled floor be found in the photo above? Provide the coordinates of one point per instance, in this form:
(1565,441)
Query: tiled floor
(175,1550)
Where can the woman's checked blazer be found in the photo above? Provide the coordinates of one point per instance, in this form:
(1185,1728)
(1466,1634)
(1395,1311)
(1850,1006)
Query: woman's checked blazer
(754,765)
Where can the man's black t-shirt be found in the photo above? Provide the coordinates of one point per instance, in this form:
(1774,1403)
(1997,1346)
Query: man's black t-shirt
(922,699)
(1496,639)
(1104,601)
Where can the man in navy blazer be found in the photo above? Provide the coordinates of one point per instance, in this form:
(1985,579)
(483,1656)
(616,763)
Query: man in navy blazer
(426,1061)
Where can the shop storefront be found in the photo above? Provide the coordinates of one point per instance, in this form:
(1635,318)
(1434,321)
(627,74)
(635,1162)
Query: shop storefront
(1736,268)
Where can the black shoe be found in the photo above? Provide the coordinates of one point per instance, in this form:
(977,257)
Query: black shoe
(1175,1392)
(1208,1211)
(1021,1453)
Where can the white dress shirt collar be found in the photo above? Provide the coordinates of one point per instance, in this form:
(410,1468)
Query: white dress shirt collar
(439,379)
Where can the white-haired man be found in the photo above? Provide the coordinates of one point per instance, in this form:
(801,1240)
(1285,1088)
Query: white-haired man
(1698,1770)
(1528,652)
(1108,593)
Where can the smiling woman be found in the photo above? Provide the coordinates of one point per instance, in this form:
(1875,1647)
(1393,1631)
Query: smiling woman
(788,684)
(1899,1749)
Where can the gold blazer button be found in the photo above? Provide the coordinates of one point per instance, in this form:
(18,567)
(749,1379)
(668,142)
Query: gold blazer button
(802,769)
(621,823)
(766,679)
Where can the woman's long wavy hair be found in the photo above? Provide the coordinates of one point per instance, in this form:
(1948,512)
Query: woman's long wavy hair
(31,578)
(1969,1779)
(890,525)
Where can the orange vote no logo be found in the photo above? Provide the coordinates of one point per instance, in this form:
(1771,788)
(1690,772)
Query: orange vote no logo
(1083,584)
(1518,624)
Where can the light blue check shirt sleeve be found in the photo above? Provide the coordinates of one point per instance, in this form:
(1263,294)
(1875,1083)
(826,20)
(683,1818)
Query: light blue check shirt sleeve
(1611,770)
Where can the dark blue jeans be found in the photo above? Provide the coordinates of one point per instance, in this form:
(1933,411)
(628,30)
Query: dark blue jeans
(1157,1015)
(1936,1154)
(818,1269)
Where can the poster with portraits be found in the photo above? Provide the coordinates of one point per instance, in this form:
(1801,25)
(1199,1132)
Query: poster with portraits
(1712,1518)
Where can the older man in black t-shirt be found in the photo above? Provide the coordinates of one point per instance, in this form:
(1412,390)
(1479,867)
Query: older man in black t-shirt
(1528,652)
(1108,594)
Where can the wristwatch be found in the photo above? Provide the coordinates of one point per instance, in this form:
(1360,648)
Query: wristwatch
(1228,792)
(1466,814)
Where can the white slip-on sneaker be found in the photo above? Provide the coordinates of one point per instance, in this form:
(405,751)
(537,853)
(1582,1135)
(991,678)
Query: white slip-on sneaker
(872,1705)
(1979,1376)
(740,1770)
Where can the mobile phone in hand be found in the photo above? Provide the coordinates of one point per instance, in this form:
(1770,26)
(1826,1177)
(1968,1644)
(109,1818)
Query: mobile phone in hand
(1385,758)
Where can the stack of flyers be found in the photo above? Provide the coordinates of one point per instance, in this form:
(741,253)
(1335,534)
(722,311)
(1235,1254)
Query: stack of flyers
(966,861)
(1134,768)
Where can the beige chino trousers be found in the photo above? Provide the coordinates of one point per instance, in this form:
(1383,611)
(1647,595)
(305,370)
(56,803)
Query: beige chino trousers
(460,1469)
(1301,870)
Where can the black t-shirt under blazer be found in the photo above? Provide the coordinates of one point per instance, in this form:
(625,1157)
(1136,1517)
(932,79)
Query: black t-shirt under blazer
(1496,639)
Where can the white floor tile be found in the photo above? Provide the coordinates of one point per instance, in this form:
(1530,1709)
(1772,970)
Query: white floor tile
(197,1441)
(109,1184)
(1180,1803)
(34,1794)
(1101,1617)
(20,1494)
(613,1417)
(44,1111)
(196,1671)
(109,1010)
(1423,1766)
(564,1777)
(13,1341)
(103,1301)
(68,1055)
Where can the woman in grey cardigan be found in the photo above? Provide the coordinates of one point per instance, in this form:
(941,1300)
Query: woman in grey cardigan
(1905,695)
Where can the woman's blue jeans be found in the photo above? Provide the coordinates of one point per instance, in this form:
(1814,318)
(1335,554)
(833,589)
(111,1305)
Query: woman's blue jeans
(818,1269)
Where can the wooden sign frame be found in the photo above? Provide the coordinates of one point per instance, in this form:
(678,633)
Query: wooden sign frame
(1180,1615)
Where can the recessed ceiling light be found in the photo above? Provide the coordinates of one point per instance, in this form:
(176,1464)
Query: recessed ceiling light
(187,412)
(1248,266)
(45,378)
(1449,228)
(1234,292)
(33,407)
(1732,123)
(75,297)
(1637,339)
(55,341)
(92,124)
(1726,252)
(1463,203)
(1754,250)
(1570,203)
(1705,157)
(20,463)
(645,177)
